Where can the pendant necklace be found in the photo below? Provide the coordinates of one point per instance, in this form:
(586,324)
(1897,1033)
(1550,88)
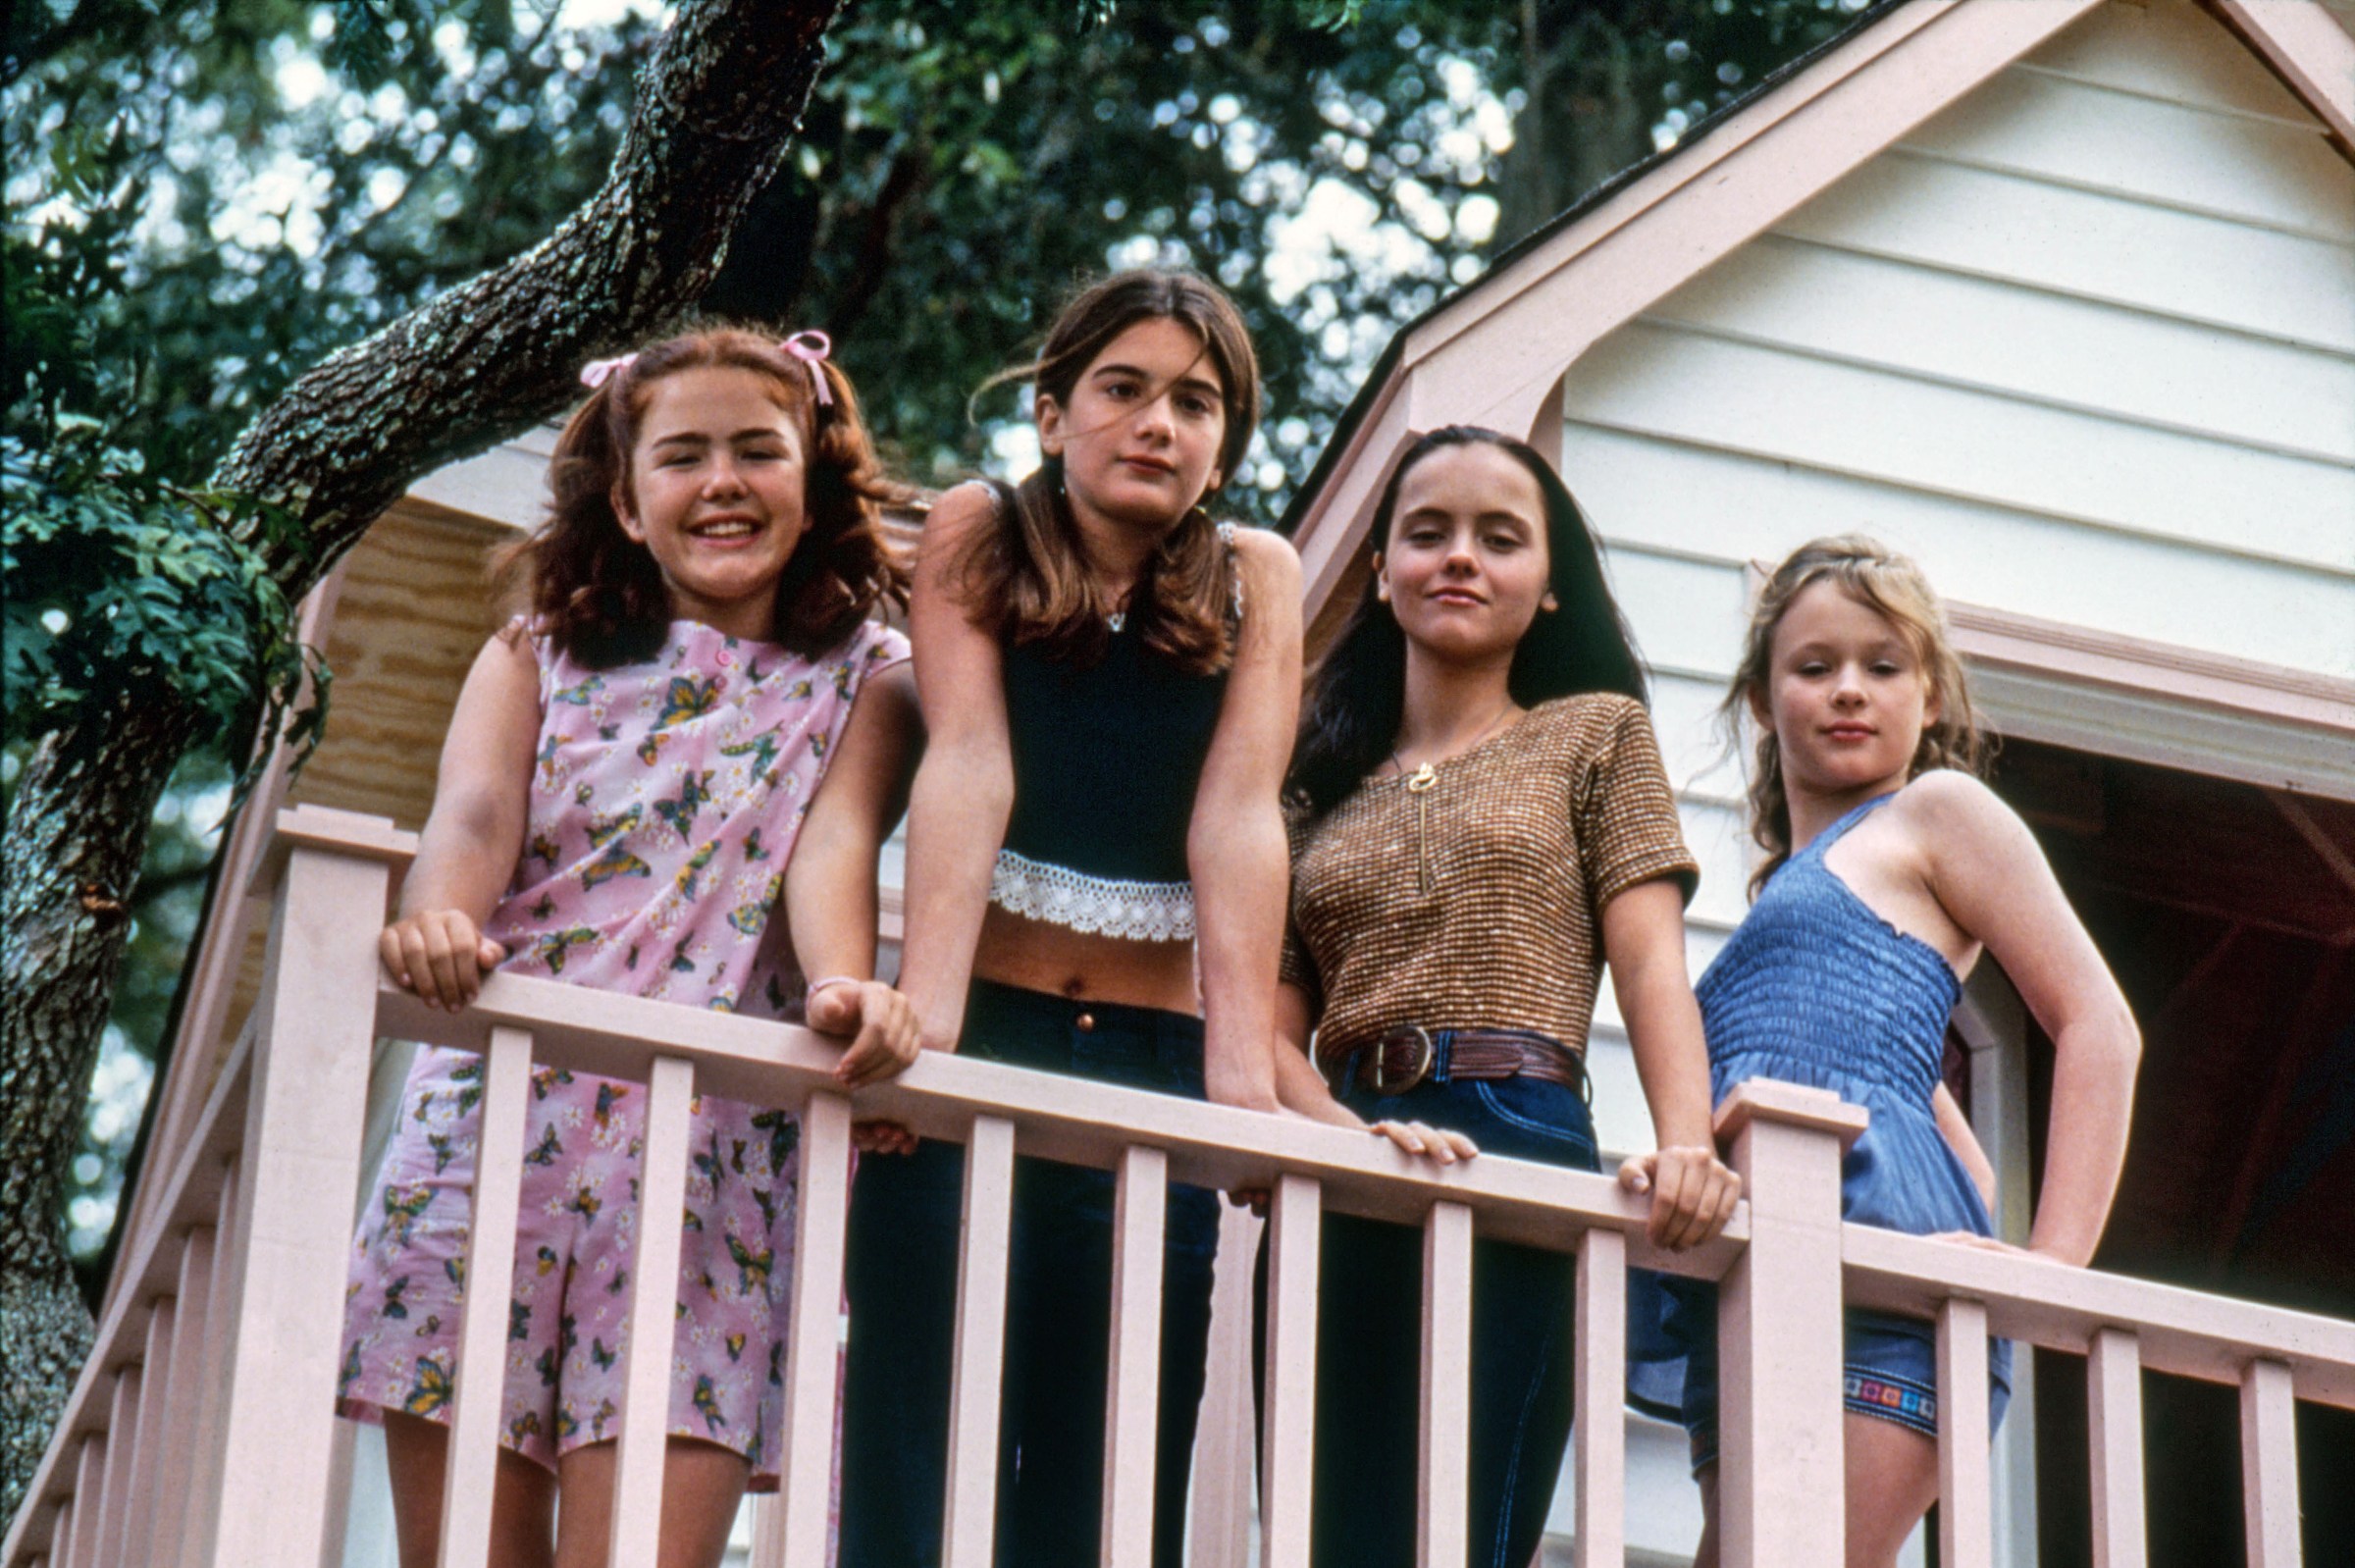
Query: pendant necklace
(1426,778)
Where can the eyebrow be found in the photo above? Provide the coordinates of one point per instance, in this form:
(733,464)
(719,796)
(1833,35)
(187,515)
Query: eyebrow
(1201,384)
(1493,514)
(695,438)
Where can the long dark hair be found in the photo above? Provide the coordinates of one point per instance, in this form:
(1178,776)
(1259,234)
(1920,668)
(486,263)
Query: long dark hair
(1024,579)
(1357,698)
(597,593)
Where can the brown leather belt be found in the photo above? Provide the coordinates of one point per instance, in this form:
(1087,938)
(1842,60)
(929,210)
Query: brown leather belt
(1407,1056)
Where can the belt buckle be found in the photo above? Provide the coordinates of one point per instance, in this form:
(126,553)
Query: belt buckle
(1424,1056)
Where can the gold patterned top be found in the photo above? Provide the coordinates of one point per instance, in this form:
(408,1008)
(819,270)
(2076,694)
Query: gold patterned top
(1469,896)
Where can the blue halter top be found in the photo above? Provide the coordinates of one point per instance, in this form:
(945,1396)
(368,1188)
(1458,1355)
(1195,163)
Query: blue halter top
(1815,988)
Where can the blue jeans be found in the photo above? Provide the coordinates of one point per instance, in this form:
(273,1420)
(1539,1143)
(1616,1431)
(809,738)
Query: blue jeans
(906,1215)
(1370,1345)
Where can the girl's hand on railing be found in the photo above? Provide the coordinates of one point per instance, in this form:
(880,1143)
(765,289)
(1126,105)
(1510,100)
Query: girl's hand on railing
(882,1025)
(1436,1143)
(882,1137)
(440,955)
(1971,1238)
(1693,1193)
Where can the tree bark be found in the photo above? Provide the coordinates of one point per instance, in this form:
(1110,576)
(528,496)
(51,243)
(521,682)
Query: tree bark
(717,106)
(1585,118)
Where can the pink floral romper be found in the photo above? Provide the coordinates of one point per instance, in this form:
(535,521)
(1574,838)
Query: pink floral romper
(664,803)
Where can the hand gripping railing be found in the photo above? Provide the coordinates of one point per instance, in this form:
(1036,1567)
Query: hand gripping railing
(202,1433)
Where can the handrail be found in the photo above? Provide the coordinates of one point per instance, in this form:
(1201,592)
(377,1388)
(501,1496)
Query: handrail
(174,1412)
(1076,1121)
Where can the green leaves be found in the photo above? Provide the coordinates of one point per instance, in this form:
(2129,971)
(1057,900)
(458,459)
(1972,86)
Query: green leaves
(122,589)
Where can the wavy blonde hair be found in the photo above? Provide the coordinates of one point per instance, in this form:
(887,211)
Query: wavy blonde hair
(1892,586)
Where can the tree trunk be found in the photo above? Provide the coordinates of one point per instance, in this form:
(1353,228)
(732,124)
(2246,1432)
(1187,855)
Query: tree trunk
(717,106)
(77,828)
(1585,118)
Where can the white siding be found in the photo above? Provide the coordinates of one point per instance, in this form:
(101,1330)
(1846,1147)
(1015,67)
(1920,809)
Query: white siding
(2084,345)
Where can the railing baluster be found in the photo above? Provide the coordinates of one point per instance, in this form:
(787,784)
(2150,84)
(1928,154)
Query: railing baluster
(2114,1424)
(975,1384)
(114,1480)
(1225,1445)
(473,1453)
(814,1330)
(2269,1464)
(1288,1453)
(1779,1330)
(212,1389)
(89,1523)
(306,1107)
(1132,1392)
(654,1305)
(1445,1469)
(1966,1504)
(1600,1392)
(168,1507)
(151,1435)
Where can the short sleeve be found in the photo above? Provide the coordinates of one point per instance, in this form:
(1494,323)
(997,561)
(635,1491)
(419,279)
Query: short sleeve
(1628,830)
(1294,966)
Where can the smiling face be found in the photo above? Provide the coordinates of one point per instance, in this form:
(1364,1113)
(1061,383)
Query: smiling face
(1141,432)
(716,495)
(1846,695)
(1465,563)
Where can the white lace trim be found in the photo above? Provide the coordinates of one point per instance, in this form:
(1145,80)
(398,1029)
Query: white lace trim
(1140,911)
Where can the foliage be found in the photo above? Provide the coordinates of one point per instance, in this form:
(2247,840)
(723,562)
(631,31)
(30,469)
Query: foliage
(205,199)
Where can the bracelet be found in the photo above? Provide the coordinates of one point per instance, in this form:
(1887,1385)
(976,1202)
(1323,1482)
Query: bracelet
(816,986)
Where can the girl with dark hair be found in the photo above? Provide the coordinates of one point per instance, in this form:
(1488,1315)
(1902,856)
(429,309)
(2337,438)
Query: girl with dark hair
(1481,821)
(1109,681)
(628,770)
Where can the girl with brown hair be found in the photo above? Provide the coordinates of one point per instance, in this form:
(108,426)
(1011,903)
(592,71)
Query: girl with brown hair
(1096,887)
(697,686)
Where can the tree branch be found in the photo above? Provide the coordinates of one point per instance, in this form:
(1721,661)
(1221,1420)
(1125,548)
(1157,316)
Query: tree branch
(717,106)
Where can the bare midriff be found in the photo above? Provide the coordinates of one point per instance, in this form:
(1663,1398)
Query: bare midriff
(1038,955)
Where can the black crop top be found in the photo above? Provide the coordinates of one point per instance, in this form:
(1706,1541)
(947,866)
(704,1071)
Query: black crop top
(1107,760)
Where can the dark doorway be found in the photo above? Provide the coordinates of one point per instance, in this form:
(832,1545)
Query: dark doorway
(2227,912)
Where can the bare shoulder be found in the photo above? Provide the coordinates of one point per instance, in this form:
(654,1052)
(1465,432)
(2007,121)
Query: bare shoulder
(956,516)
(1952,814)
(508,658)
(1269,561)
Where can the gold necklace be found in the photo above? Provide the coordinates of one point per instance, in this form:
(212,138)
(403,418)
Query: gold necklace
(1426,778)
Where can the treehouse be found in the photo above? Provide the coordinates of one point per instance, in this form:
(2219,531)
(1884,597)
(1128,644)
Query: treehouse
(2057,295)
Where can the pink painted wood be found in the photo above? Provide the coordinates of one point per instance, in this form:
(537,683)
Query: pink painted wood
(1444,1472)
(121,1459)
(970,1537)
(654,1310)
(220,1335)
(335,1532)
(2269,1465)
(1966,1503)
(1225,1448)
(1599,1428)
(1288,1446)
(190,1330)
(769,1531)
(813,1329)
(473,1455)
(2114,1423)
(151,1436)
(1132,1392)
(302,1145)
(1779,1330)
(89,1480)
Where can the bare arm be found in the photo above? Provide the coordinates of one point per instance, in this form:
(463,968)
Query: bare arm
(830,882)
(963,794)
(1955,1127)
(1986,870)
(1235,850)
(1693,1193)
(466,856)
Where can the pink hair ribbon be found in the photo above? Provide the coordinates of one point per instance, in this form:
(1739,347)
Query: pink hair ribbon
(811,350)
(598,372)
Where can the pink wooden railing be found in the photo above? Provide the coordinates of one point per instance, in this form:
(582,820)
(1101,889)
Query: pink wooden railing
(201,1431)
